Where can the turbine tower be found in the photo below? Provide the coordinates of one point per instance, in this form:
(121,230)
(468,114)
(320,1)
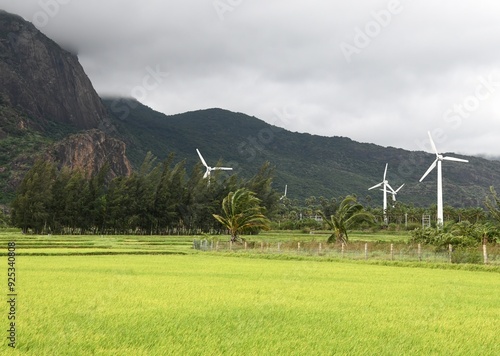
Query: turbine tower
(284,195)
(210,169)
(437,162)
(385,185)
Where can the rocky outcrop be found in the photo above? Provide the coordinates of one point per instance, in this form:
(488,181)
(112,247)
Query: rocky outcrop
(89,151)
(43,81)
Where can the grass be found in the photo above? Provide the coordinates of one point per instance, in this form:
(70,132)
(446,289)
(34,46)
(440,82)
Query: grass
(205,304)
(275,236)
(155,295)
(88,245)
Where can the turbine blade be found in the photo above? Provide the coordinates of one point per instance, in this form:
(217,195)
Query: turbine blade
(207,173)
(392,190)
(376,186)
(455,159)
(385,171)
(222,168)
(433,165)
(432,143)
(286,186)
(397,190)
(201,158)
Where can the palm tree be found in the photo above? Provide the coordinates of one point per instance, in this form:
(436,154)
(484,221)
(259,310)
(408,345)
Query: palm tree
(347,214)
(242,211)
(493,204)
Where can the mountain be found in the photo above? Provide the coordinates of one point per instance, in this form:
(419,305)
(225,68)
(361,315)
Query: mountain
(45,97)
(310,165)
(44,81)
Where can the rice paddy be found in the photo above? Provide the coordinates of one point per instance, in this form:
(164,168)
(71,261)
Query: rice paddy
(173,300)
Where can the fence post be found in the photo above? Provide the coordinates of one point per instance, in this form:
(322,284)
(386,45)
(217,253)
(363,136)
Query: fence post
(298,246)
(392,251)
(419,252)
(450,250)
(230,244)
(319,249)
(366,251)
(342,250)
(485,255)
(245,245)
(217,245)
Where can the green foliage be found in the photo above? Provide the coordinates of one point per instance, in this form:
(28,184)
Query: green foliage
(493,204)
(241,211)
(32,207)
(462,234)
(158,199)
(4,220)
(348,214)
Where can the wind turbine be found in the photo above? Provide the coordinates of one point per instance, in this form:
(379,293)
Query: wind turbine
(394,192)
(385,185)
(284,195)
(210,169)
(437,162)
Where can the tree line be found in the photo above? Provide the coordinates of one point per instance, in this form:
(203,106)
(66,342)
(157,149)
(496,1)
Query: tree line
(163,198)
(160,198)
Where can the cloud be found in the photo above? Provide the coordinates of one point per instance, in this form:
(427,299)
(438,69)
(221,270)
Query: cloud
(418,61)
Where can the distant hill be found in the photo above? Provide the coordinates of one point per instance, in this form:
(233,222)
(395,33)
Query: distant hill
(311,165)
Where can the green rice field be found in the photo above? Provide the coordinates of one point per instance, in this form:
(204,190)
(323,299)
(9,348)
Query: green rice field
(157,296)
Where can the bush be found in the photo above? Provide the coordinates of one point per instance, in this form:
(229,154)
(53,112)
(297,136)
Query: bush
(392,227)
(424,236)
(438,238)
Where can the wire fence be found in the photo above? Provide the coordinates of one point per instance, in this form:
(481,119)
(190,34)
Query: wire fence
(485,254)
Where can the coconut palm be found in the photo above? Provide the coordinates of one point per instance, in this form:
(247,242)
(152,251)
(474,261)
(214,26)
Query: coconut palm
(345,217)
(242,211)
(493,204)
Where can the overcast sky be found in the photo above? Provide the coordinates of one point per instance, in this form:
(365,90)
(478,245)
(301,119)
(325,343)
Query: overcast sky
(384,72)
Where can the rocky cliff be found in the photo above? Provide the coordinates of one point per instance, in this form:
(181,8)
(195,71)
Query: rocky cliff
(88,151)
(44,81)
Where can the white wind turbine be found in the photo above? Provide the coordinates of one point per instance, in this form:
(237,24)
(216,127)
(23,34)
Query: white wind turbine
(394,192)
(385,185)
(210,169)
(284,195)
(437,162)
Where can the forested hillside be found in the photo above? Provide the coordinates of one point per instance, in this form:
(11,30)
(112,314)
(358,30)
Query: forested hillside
(310,165)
